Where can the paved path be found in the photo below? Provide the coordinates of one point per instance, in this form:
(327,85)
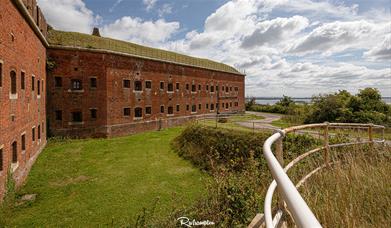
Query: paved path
(263,123)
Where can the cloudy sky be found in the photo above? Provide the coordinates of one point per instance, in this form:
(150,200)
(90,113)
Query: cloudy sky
(293,47)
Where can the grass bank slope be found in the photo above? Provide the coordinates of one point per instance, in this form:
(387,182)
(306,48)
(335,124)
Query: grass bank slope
(106,181)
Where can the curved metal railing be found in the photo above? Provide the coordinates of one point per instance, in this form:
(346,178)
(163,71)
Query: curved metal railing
(290,196)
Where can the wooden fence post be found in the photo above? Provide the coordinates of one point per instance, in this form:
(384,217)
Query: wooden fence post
(326,145)
(370,136)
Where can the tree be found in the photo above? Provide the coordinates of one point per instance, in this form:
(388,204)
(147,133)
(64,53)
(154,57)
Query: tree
(285,101)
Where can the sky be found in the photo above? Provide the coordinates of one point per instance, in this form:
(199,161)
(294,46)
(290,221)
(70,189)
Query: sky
(297,48)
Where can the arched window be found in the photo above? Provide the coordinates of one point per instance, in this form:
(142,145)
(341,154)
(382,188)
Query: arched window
(13,82)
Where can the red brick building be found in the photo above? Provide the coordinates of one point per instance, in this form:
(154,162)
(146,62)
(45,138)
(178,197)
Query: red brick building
(95,87)
(22,88)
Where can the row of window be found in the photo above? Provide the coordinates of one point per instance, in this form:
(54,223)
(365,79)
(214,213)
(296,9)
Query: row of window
(14,145)
(76,84)
(138,112)
(14,81)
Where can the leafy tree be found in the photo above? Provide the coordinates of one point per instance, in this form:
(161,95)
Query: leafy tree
(285,101)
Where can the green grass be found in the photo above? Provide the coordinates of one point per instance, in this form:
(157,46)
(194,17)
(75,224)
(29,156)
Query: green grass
(107,181)
(231,123)
(74,39)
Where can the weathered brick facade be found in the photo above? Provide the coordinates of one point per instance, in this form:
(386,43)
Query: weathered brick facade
(93,93)
(22,92)
(116,80)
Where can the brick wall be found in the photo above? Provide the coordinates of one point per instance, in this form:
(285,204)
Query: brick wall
(110,97)
(21,52)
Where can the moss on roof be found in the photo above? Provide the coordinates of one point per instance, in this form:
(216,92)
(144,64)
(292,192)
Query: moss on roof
(74,39)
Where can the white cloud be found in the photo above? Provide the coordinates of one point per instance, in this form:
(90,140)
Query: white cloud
(115,5)
(149,4)
(274,31)
(381,51)
(137,30)
(165,9)
(68,15)
(338,36)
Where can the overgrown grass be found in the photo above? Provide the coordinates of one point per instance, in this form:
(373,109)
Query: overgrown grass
(355,192)
(101,182)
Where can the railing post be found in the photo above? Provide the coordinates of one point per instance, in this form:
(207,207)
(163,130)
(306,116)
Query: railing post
(370,136)
(326,145)
(280,158)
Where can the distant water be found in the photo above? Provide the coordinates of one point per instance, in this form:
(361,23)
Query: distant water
(273,100)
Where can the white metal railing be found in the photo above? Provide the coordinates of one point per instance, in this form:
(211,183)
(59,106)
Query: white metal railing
(297,207)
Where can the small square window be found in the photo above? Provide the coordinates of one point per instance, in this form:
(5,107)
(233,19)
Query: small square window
(126,111)
(162,109)
(138,112)
(161,85)
(212,107)
(93,83)
(76,84)
(58,81)
(170,87)
(22,80)
(138,86)
(148,110)
(76,117)
(94,113)
(148,84)
(58,115)
(177,108)
(126,83)
(170,110)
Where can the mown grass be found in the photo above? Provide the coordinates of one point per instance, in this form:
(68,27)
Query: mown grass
(106,181)
(355,192)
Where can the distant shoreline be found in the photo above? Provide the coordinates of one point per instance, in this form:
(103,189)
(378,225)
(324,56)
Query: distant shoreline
(273,100)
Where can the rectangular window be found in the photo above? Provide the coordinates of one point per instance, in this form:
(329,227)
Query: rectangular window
(212,107)
(23,142)
(207,87)
(226,89)
(126,111)
(170,87)
(230,104)
(236,104)
(226,106)
(148,110)
(199,106)
(39,131)
(33,134)
(230,88)
(76,117)
(126,83)
(217,88)
(161,85)
(162,109)
(138,112)
(212,89)
(177,108)
(170,110)
(199,87)
(193,108)
(93,83)
(193,88)
(76,84)
(148,84)
(13,82)
(32,83)
(187,107)
(14,147)
(39,87)
(22,80)
(1,160)
(138,86)
(93,112)
(57,81)
(187,86)
(236,89)
(177,86)
(207,106)
(58,115)
(1,74)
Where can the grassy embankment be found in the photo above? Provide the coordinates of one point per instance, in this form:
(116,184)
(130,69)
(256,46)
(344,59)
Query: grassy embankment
(106,181)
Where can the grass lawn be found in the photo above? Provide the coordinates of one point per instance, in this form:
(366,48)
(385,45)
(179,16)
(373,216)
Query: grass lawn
(107,181)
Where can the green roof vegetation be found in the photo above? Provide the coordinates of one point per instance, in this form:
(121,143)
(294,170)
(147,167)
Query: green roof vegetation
(79,40)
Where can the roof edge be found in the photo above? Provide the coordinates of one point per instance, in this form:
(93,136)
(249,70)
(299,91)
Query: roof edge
(61,47)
